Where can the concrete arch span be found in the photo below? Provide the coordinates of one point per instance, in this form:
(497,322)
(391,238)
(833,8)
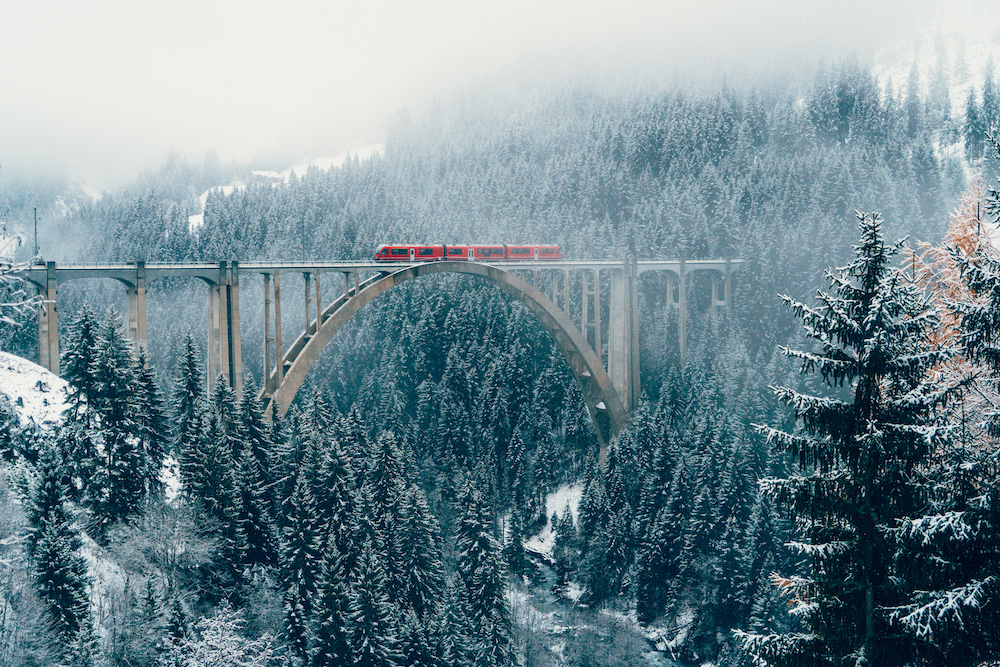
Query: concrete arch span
(606,408)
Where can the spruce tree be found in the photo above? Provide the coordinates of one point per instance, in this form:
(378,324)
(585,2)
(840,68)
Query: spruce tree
(188,397)
(118,487)
(858,450)
(80,356)
(301,560)
(483,577)
(374,635)
(76,436)
(420,555)
(331,630)
(59,570)
(974,128)
(152,424)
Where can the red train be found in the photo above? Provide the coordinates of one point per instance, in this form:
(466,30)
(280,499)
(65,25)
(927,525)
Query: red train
(405,252)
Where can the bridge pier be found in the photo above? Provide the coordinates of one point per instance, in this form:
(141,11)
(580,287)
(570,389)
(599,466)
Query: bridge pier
(623,334)
(48,322)
(224,354)
(271,385)
(679,281)
(722,298)
(136,298)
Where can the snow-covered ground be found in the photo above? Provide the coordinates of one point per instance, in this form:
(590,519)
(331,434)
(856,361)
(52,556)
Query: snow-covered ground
(196,220)
(555,503)
(33,393)
(337,161)
(958,33)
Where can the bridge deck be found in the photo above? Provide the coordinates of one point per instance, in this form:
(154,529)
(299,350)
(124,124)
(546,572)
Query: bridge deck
(209,271)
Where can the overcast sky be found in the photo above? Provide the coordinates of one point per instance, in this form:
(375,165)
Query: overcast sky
(109,87)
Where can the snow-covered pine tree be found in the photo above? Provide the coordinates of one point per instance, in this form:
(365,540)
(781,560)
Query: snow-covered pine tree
(76,432)
(482,575)
(60,571)
(153,429)
(453,644)
(118,488)
(188,398)
(374,636)
(419,552)
(254,430)
(859,450)
(301,560)
(948,553)
(254,516)
(189,417)
(79,357)
(974,127)
(331,631)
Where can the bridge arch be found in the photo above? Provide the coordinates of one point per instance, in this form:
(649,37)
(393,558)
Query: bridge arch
(607,411)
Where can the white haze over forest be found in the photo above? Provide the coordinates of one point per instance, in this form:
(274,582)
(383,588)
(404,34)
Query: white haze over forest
(108,88)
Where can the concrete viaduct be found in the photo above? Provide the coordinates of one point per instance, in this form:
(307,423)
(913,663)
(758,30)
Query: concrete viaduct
(611,391)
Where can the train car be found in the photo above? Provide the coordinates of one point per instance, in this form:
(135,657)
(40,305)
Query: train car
(408,252)
(532,252)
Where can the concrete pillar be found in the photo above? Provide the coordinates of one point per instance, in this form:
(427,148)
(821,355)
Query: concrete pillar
(51,317)
(565,290)
(319,305)
(137,309)
(619,325)
(715,297)
(214,339)
(598,315)
(728,295)
(268,385)
(682,311)
(347,286)
(307,279)
(218,327)
(590,310)
(233,326)
(43,334)
(279,354)
(633,342)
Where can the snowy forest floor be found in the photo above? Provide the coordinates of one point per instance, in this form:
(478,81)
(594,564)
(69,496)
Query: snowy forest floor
(554,627)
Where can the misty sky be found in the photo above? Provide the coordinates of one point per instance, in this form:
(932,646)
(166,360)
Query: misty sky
(110,87)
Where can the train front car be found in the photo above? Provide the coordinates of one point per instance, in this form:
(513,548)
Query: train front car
(391,253)
(407,252)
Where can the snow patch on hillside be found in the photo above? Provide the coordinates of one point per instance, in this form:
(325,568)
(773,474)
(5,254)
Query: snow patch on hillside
(198,219)
(961,35)
(31,392)
(275,178)
(337,161)
(555,503)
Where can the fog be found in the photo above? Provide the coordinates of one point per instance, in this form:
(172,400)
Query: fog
(107,88)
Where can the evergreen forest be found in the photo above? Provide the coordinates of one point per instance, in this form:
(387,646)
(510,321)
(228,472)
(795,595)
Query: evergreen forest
(816,483)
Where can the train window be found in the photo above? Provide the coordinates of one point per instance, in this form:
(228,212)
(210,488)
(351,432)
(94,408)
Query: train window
(520,251)
(548,251)
(398,251)
(454,251)
(425,251)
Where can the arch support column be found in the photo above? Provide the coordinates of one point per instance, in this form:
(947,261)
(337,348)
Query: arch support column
(137,309)
(48,322)
(224,346)
(680,303)
(623,334)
